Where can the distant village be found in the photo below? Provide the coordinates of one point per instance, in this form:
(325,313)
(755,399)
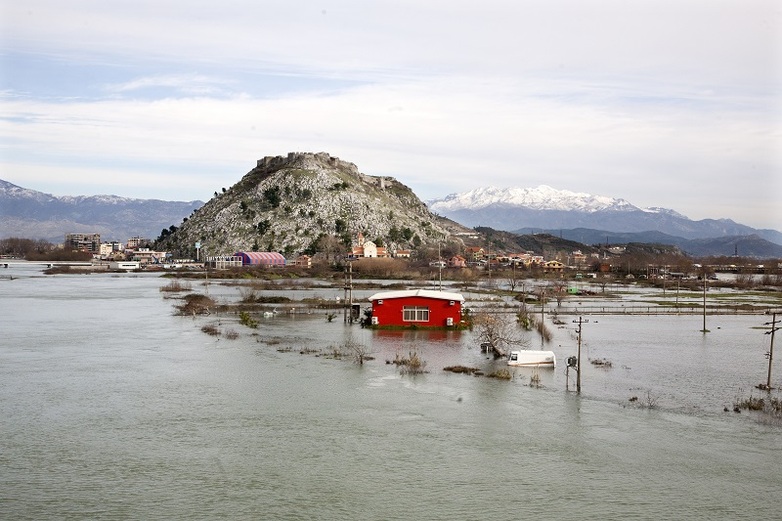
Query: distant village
(138,254)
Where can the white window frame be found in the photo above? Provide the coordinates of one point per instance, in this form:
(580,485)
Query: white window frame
(415,313)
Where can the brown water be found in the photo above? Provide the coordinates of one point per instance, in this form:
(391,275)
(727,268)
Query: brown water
(113,408)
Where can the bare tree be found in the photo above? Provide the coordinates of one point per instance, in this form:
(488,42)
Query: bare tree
(498,331)
(559,290)
(513,279)
(356,350)
(605,280)
(330,246)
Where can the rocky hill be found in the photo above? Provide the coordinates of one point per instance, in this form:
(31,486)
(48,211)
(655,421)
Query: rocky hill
(288,204)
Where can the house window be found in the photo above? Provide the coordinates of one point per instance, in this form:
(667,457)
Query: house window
(415,314)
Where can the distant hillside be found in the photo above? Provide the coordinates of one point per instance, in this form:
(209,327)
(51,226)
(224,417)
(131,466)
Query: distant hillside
(551,246)
(36,215)
(743,245)
(544,244)
(289,204)
(545,208)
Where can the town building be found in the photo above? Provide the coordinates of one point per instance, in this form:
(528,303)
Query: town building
(457,261)
(83,242)
(109,249)
(474,254)
(578,259)
(124,265)
(303,261)
(368,249)
(146,256)
(553,266)
(416,308)
(137,242)
(223,262)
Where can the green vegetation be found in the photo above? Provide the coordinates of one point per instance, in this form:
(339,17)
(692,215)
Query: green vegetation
(413,364)
(344,185)
(263,226)
(251,296)
(176,286)
(501,374)
(272,196)
(770,405)
(246,320)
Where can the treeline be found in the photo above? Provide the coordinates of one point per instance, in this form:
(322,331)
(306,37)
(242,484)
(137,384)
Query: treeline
(39,250)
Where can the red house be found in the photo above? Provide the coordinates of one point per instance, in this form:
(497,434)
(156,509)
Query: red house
(416,308)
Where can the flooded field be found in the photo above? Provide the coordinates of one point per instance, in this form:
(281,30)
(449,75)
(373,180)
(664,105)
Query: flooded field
(115,408)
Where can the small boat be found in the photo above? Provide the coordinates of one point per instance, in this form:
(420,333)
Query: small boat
(527,358)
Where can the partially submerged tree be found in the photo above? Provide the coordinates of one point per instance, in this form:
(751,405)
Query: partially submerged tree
(499,331)
(413,364)
(356,350)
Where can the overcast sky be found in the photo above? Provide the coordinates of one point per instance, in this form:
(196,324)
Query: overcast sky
(663,103)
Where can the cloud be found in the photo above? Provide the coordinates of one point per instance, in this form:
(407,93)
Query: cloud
(611,97)
(182,84)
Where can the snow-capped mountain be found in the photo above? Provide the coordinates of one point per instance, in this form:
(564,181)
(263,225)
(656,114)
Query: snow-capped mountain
(546,208)
(541,198)
(32,214)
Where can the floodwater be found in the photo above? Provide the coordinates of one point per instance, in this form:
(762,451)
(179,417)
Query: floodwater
(114,408)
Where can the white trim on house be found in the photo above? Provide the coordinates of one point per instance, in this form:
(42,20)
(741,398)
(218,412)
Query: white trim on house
(426,293)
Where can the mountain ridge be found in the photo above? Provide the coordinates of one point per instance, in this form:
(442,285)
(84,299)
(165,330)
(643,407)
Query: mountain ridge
(547,208)
(38,215)
(32,214)
(542,197)
(742,245)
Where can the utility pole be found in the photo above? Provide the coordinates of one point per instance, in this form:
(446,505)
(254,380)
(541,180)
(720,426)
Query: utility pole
(578,360)
(206,270)
(348,298)
(350,290)
(542,314)
(770,354)
(704,330)
(677,295)
(488,263)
